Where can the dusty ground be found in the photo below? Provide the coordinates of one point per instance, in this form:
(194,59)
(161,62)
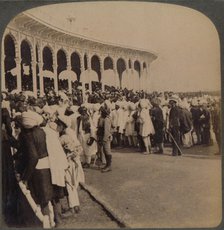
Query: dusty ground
(152,191)
(161,190)
(91,215)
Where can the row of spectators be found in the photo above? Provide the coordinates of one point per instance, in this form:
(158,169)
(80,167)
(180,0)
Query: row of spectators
(55,136)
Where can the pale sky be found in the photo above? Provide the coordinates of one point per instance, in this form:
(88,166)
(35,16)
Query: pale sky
(186,41)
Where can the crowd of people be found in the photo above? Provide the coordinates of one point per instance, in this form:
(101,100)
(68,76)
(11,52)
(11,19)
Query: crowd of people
(48,140)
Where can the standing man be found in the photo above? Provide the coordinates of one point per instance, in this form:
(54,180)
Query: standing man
(158,122)
(174,124)
(205,123)
(104,134)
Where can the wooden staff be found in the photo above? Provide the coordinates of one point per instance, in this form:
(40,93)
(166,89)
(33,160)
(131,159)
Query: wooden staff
(174,141)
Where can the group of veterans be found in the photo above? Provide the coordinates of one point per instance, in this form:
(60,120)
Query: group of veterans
(48,140)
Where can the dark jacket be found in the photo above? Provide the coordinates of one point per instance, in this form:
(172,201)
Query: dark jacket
(174,117)
(32,148)
(157,118)
(185,121)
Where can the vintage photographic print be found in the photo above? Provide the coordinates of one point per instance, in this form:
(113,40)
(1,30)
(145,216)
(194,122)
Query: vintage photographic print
(111,117)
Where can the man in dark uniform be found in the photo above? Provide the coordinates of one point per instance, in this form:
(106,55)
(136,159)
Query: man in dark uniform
(174,124)
(205,124)
(158,123)
(196,113)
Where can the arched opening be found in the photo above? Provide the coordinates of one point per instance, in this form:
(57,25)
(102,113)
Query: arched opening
(26,71)
(62,65)
(95,65)
(108,63)
(120,68)
(48,65)
(76,67)
(109,77)
(10,64)
(137,67)
(144,65)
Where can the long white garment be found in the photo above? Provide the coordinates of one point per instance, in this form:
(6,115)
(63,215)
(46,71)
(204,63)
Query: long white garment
(73,118)
(76,143)
(89,150)
(146,127)
(129,128)
(114,119)
(57,158)
(72,183)
(120,120)
(187,139)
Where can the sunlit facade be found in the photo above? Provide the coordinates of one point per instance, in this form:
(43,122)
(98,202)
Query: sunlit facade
(37,56)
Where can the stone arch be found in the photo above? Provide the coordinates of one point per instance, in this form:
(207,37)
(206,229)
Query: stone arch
(95,65)
(76,64)
(16,45)
(37,47)
(108,63)
(62,65)
(121,66)
(30,45)
(47,58)
(79,54)
(51,50)
(137,67)
(48,65)
(25,46)
(10,63)
(26,61)
(65,51)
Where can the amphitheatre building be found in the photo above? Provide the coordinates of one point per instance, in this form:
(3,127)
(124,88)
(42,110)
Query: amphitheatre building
(37,56)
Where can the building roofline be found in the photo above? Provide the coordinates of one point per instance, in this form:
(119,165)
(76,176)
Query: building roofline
(155,55)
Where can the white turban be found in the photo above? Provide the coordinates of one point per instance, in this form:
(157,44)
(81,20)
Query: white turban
(31,119)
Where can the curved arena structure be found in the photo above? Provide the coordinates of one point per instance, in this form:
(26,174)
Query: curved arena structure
(37,55)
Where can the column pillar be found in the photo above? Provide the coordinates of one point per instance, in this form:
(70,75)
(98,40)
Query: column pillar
(55,78)
(118,83)
(3,88)
(33,66)
(102,72)
(41,64)
(141,80)
(55,65)
(132,66)
(89,68)
(148,78)
(82,66)
(88,61)
(19,79)
(69,68)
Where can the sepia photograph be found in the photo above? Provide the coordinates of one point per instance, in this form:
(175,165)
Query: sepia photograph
(111,117)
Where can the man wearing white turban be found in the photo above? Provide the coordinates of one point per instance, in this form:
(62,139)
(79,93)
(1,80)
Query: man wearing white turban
(33,162)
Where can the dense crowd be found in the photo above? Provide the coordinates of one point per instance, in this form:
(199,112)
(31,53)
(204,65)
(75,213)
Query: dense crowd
(47,140)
